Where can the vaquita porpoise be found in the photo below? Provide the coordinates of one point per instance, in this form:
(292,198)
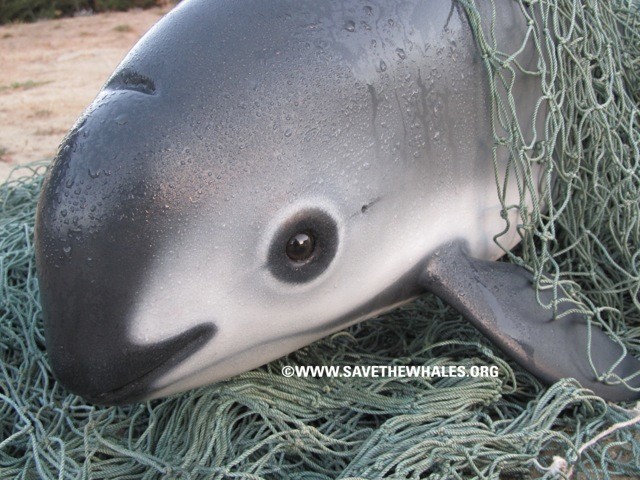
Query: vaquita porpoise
(258,174)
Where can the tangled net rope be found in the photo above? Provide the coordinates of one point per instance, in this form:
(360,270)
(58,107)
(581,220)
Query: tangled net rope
(589,67)
(262,425)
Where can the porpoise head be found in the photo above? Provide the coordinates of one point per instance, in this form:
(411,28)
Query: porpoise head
(254,176)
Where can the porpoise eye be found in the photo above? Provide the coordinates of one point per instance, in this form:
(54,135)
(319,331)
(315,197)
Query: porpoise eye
(303,246)
(300,246)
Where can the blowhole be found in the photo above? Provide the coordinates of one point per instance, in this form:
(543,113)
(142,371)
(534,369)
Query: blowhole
(131,80)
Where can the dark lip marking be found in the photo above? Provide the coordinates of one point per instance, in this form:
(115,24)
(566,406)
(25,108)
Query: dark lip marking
(131,80)
(138,388)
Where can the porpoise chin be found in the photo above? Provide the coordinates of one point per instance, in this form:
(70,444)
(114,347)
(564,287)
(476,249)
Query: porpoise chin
(257,175)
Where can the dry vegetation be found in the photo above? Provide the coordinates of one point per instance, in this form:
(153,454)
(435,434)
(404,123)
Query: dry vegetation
(51,70)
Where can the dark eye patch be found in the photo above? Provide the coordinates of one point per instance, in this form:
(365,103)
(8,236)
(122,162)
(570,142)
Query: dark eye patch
(303,247)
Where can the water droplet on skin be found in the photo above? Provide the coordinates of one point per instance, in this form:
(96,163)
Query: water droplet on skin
(391,22)
(350,26)
(287,132)
(67,250)
(401,53)
(368,10)
(366,165)
(122,119)
(383,66)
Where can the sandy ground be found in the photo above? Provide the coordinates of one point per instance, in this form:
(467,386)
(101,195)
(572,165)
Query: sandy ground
(51,70)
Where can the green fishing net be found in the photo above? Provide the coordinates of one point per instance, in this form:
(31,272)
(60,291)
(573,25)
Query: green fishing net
(589,69)
(263,425)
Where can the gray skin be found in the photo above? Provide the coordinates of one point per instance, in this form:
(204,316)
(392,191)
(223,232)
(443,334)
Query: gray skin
(231,127)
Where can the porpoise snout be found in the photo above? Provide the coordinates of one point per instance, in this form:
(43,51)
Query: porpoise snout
(96,360)
(99,223)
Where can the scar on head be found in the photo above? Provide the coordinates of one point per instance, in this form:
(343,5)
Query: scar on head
(367,206)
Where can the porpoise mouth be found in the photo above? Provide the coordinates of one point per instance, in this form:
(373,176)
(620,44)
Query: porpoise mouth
(137,390)
(141,387)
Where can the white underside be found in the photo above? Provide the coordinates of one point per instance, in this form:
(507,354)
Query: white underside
(260,318)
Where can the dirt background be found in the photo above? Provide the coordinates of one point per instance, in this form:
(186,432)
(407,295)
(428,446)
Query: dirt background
(51,70)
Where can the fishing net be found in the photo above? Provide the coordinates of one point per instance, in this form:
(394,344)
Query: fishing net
(587,238)
(263,425)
